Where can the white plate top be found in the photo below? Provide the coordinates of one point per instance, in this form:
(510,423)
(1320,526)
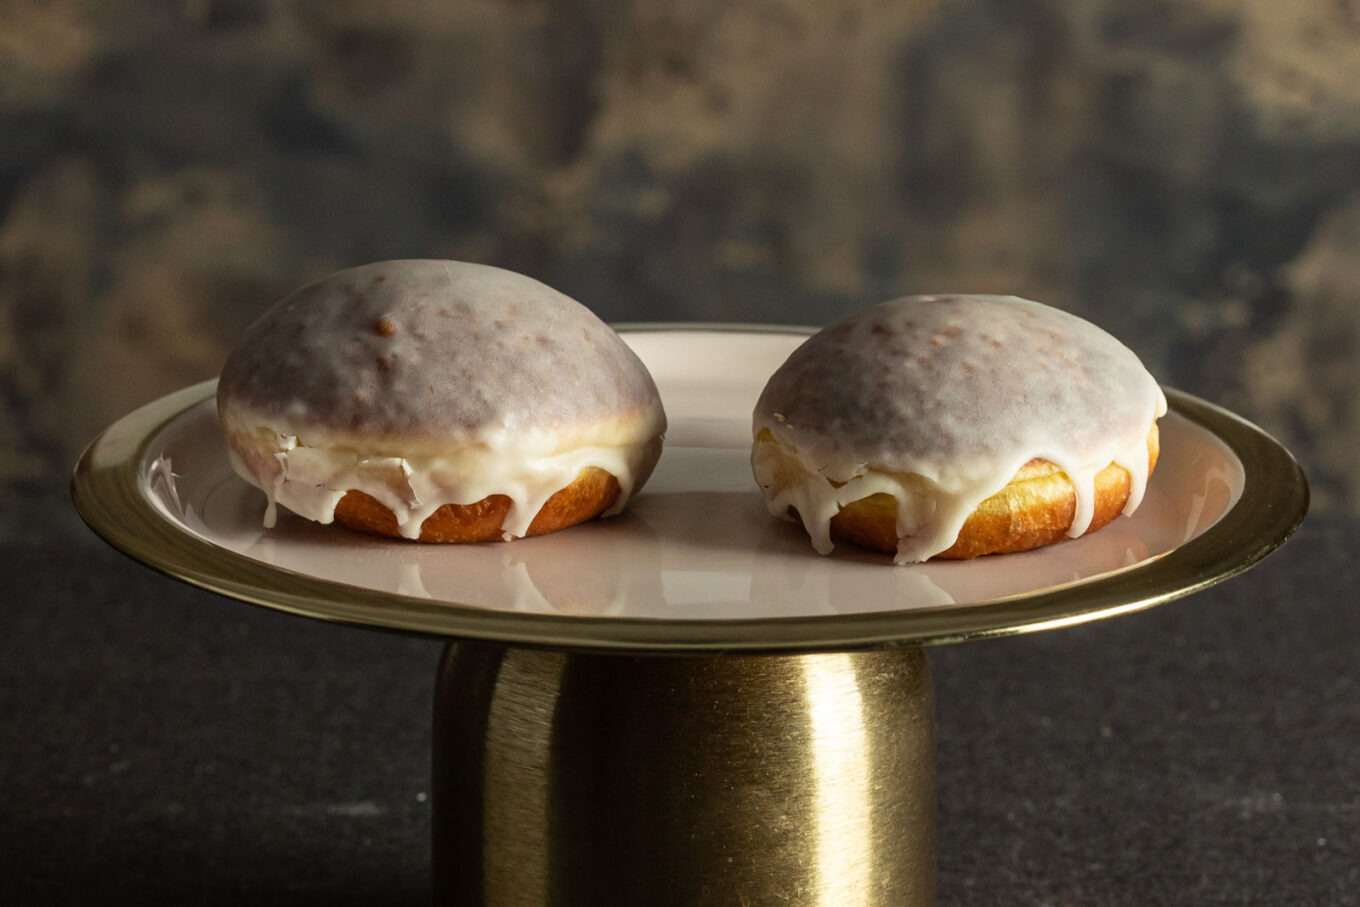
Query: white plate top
(697,543)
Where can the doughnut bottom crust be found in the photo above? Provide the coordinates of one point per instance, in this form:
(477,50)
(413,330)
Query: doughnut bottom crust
(1033,510)
(591,493)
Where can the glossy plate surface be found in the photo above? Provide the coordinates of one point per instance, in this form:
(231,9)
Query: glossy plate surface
(696,563)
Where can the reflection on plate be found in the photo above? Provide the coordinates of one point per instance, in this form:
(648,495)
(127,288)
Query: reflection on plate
(697,543)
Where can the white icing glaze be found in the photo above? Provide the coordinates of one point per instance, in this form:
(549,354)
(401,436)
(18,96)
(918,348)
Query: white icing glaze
(425,383)
(938,401)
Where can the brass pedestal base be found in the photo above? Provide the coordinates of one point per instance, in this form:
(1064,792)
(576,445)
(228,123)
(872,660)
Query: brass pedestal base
(565,779)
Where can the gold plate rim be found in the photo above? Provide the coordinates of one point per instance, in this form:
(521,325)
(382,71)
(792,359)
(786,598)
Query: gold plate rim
(1273,503)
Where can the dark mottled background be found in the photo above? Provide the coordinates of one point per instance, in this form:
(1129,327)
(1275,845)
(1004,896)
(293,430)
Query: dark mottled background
(1184,172)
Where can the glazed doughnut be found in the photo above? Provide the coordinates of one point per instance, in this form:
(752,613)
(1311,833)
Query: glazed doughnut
(440,401)
(956,426)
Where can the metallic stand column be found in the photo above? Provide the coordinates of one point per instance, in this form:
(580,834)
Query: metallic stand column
(565,779)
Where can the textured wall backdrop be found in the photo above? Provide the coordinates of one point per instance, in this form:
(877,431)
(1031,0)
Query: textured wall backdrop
(1184,172)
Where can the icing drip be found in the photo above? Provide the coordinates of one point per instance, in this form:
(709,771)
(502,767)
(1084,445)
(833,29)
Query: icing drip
(310,481)
(939,402)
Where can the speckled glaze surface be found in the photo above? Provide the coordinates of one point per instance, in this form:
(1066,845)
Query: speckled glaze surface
(927,384)
(421,349)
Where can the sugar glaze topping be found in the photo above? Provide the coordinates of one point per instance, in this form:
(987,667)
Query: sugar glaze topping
(424,383)
(938,401)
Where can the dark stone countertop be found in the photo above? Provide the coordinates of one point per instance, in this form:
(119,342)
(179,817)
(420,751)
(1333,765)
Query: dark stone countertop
(163,745)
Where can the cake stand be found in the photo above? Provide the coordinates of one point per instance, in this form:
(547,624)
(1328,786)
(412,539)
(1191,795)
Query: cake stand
(684,704)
